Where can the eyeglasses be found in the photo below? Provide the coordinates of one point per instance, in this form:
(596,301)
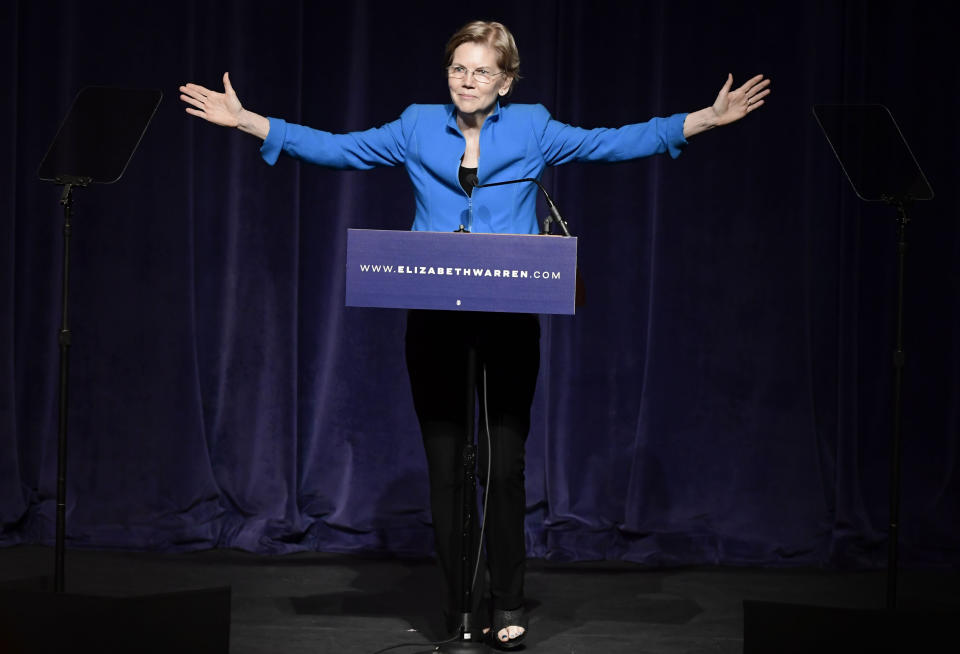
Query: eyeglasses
(481,75)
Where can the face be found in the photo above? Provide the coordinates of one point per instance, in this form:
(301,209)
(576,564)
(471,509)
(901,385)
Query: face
(469,96)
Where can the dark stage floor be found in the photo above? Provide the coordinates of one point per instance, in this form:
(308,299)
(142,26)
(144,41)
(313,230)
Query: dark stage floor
(317,603)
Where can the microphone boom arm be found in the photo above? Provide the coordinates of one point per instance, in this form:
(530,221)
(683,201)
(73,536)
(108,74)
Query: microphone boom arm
(554,213)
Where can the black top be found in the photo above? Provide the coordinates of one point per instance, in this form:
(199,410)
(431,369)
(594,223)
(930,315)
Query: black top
(468,179)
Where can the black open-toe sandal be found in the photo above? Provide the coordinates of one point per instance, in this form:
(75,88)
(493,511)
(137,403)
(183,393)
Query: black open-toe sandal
(503,619)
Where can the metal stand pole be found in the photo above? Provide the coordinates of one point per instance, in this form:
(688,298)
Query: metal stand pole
(465,644)
(895,446)
(64,339)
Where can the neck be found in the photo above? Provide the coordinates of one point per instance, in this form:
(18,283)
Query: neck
(473,121)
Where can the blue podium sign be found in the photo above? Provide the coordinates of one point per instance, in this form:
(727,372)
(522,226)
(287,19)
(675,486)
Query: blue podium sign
(515,273)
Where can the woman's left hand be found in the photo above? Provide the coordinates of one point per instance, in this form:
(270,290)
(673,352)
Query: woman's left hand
(731,106)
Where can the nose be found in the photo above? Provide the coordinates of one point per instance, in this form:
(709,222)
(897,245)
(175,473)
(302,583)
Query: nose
(468,79)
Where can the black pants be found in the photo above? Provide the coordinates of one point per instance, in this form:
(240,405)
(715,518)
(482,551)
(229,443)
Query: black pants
(508,347)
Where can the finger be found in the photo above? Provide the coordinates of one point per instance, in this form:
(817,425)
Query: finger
(196,88)
(228,88)
(753,99)
(755,83)
(756,88)
(754,105)
(191,94)
(190,100)
(196,112)
(728,83)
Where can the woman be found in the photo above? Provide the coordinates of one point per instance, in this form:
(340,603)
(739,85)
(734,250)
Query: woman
(480,137)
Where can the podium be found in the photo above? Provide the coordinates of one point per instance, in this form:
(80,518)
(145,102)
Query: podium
(459,271)
(454,271)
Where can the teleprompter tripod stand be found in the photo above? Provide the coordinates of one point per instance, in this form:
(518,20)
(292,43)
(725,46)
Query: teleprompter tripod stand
(95,143)
(881,168)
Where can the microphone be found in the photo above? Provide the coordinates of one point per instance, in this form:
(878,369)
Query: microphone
(554,212)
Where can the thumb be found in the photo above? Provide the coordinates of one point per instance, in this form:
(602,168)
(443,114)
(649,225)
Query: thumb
(226,83)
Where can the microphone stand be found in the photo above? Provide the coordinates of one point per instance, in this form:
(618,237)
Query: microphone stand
(464,643)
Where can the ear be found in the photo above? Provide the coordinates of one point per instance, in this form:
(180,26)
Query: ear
(507,85)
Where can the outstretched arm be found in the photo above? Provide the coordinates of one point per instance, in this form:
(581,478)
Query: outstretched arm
(223,108)
(730,106)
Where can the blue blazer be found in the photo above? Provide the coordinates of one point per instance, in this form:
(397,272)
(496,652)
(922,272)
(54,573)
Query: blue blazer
(516,141)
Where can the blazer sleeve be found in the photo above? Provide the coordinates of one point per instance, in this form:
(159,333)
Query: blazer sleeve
(561,143)
(380,146)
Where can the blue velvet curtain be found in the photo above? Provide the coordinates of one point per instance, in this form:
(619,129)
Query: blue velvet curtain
(725,396)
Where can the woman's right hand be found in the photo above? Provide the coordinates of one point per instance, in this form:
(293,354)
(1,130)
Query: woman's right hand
(218,108)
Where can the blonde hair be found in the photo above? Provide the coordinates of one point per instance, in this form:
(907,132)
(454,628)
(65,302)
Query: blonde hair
(495,35)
